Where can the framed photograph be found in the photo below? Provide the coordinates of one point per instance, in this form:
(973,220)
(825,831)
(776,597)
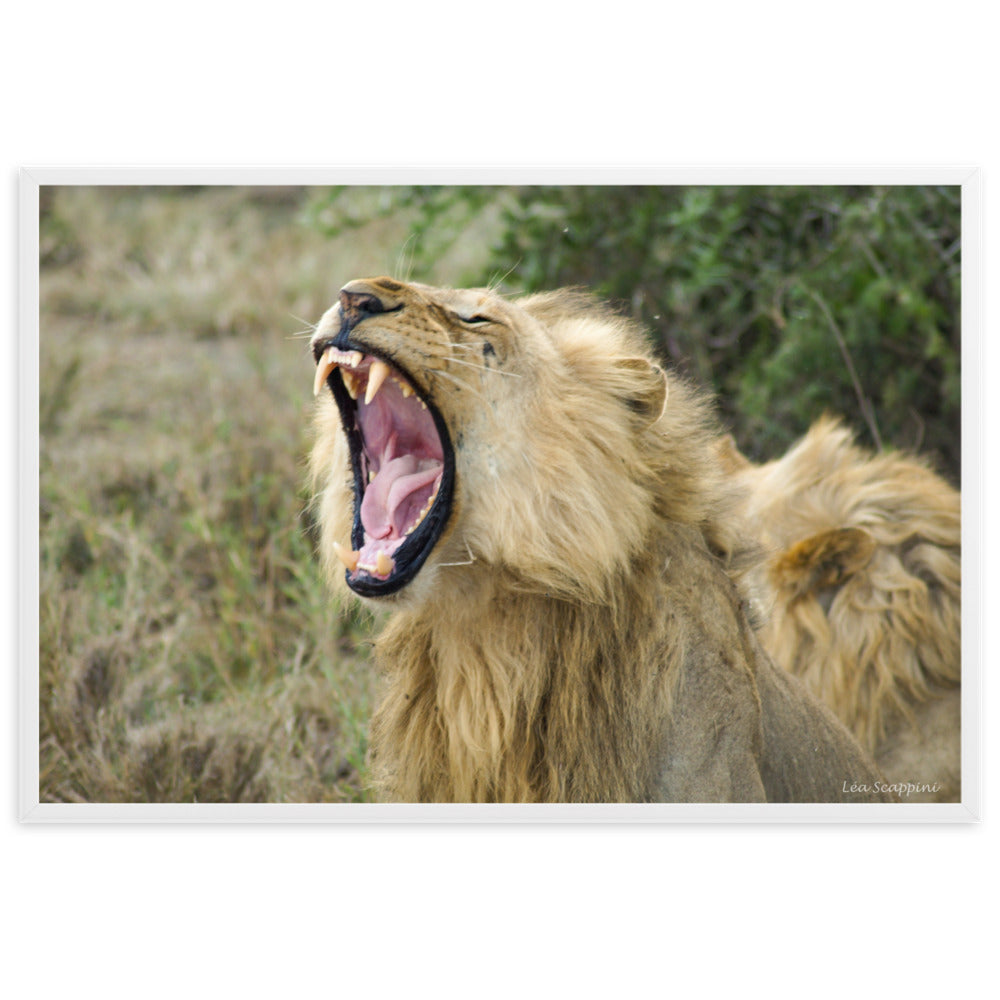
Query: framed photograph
(541,495)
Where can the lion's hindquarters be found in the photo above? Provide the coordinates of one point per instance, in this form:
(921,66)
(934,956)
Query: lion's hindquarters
(808,754)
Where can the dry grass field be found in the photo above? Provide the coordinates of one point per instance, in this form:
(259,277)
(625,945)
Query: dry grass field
(189,651)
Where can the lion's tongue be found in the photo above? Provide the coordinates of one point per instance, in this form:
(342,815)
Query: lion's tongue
(395,497)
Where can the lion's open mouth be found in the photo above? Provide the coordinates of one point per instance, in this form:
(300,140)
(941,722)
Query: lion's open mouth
(403,468)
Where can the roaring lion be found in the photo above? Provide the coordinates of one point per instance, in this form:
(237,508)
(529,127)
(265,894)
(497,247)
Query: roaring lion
(544,513)
(862,585)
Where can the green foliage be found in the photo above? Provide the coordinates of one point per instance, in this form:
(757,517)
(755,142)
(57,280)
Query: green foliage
(787,301)
(772,295)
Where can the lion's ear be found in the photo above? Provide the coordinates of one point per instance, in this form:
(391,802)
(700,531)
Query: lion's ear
(645,391)
(824,560)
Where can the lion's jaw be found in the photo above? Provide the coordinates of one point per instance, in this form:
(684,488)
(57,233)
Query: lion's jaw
(484,445)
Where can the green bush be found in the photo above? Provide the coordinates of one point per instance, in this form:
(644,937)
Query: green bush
(786,301)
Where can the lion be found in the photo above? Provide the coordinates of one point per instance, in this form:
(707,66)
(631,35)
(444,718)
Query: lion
(539,507)
(862,586)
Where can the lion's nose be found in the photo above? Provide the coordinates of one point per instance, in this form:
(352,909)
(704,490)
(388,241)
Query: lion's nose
(354,306)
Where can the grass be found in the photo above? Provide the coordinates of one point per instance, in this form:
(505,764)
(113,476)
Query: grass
(189,651)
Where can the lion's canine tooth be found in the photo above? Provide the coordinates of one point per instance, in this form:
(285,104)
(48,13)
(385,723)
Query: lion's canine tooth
(384,564)
(323,369)
(350,382)
(376,376)
(346,556)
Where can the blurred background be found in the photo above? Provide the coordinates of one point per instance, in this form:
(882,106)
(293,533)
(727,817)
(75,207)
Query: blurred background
(189,650)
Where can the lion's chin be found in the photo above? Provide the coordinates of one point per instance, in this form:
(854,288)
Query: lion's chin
(403,467)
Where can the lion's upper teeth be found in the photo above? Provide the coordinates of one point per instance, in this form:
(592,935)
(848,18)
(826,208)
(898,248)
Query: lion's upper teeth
(323,369)
(376,376)
(350,383)
(333,358)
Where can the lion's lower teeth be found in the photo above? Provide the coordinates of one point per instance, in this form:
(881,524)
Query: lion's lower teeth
(350,383)
(422,514)
(384,564)
(346,556)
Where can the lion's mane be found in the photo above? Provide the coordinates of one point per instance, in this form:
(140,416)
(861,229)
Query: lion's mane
(862,585)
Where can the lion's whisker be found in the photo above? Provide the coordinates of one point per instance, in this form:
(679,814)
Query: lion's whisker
(461,383)
(496,281)
(310,328)
(467,562)
(405,258)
